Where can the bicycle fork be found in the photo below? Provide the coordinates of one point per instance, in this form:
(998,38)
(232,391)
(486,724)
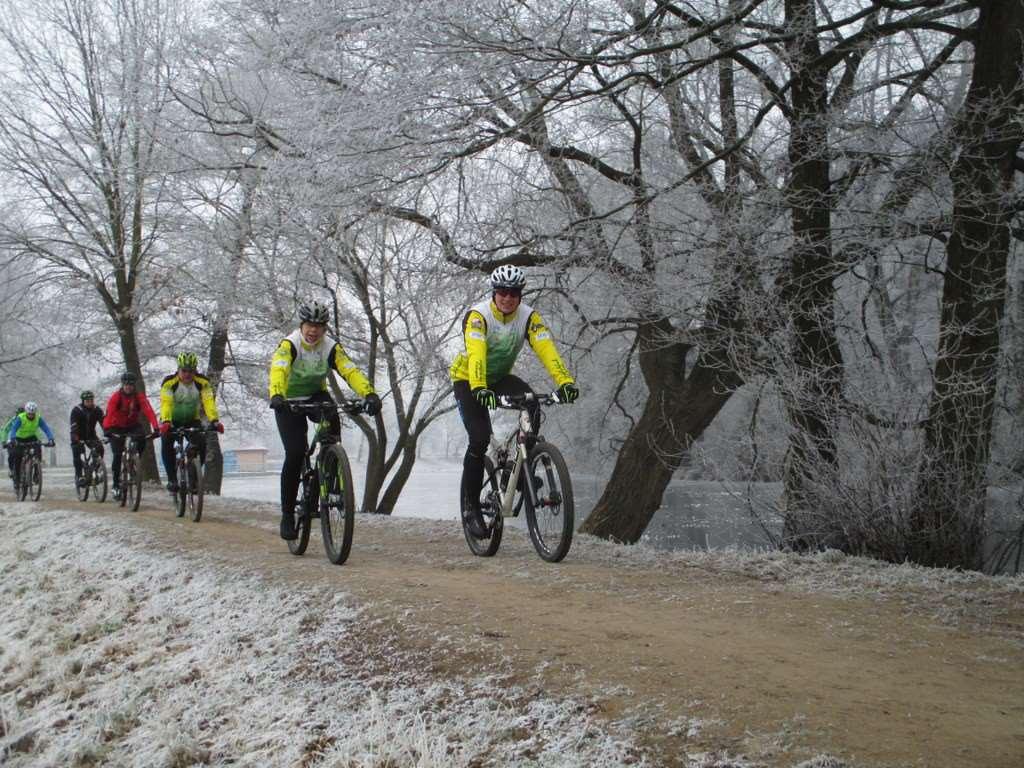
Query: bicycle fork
(513,481)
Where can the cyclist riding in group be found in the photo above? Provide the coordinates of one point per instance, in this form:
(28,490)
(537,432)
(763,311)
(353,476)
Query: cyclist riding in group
(84,419)
(22,431)
(125,411)
(299,368)
(181,394)
(4,437)
(494,331)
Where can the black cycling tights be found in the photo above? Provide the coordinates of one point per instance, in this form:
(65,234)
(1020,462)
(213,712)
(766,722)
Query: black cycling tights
(293,427)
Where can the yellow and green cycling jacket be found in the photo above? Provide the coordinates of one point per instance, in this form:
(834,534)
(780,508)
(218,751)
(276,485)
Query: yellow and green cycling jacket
(179,402)
(24,428)
(493,342)
(298,369)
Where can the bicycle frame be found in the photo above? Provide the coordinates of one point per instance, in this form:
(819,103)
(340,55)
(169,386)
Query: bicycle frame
(184,448)
(323,491)
(520,436)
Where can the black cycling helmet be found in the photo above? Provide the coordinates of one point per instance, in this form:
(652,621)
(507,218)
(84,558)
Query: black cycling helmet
(314,313)
(129,378)
(87,395)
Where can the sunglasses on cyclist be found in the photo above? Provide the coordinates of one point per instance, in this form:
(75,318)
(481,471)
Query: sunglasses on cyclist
(518,292)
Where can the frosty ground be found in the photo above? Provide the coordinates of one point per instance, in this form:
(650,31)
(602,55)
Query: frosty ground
(141,639)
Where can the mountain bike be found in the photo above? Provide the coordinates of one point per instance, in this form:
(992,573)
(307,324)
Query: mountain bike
(94,473)
(29,478)
(524,470)
(131,470)
(189,472)
(325,489)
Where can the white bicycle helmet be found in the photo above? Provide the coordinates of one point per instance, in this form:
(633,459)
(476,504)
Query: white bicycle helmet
(508,276)
(31,407)
(314,312)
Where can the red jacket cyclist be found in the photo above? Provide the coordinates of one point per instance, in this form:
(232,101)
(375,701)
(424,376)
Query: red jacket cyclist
(125,411)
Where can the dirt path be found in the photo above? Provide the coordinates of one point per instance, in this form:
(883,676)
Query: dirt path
(704,653)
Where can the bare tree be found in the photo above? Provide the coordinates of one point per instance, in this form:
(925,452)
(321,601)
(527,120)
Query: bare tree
(949,516)
(79,119)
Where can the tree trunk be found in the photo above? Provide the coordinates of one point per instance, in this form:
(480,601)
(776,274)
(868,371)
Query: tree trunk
(373,481)
(214,470)
(676,413)
(948,518)
(400,476)
(130,350)
(813,397)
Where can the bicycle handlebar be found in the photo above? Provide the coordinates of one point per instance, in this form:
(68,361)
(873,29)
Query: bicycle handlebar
(351,407)
(518,401)
(179,431)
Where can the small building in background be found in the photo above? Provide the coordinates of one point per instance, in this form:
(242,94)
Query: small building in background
(245,460)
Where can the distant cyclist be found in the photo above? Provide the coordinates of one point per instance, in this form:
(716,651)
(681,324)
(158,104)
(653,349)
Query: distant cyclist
(494,331)
(85,417)
(24,431)
(181,395)
(5,436)
(126,409)
(299,368)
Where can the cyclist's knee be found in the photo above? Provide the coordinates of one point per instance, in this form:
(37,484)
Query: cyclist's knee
(476,450)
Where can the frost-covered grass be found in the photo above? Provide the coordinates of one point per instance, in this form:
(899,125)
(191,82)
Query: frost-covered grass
(113,655)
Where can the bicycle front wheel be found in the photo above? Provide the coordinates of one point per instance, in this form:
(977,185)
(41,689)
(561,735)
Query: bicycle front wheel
(490,509)
(551,520)
(337,504)
(122,499)
(24,470)
(180,495)
(303,515)
(99,482)
(132,489)
(36,480)
(195,490)
(83,483)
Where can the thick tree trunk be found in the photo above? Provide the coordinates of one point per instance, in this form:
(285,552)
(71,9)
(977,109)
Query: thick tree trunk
(948,519)
(373,480)
(400,476)
(678,410)
(130,350)
(214,471)
(814,392)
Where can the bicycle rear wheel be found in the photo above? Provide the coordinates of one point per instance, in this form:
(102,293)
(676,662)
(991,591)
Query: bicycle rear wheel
(303,515)
(490,508)
(99,482)
(195,490)
(337,504)
(551,521)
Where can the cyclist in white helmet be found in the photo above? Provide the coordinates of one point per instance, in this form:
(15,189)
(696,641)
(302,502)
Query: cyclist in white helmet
(24,431)
(494,331)
(299,368)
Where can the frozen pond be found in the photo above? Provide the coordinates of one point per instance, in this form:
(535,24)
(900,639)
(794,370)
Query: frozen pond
(432,491)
